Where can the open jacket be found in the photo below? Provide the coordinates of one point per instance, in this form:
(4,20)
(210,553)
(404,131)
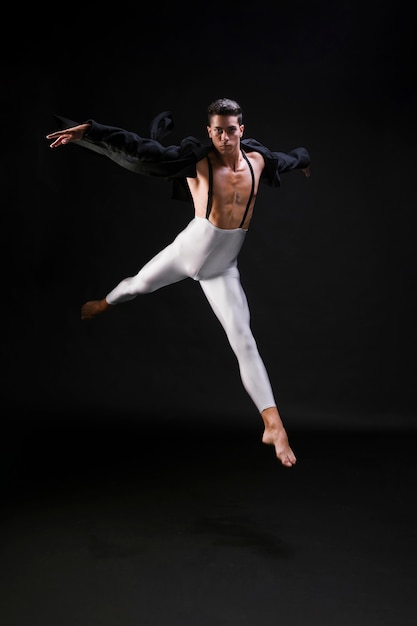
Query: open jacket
(148,156)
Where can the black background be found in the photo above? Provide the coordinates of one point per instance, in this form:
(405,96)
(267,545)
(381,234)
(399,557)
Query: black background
(135,489)
(329,262)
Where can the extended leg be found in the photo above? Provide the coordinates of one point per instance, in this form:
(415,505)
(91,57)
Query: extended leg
(228,301)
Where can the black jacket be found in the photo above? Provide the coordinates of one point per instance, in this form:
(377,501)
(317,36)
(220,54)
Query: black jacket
(148,156)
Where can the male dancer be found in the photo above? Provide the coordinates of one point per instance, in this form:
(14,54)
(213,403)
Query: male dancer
(222,180)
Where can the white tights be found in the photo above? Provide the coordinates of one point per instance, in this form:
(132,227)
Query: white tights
(209,255)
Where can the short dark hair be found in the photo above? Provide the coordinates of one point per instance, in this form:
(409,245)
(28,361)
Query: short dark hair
(225,106)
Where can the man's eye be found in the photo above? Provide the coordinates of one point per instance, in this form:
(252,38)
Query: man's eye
(228,131)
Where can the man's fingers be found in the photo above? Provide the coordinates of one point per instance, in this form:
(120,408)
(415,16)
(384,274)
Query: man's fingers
(57,142)
(60,133)
(61,137)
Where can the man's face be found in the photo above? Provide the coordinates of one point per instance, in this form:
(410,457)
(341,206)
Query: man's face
(225,132)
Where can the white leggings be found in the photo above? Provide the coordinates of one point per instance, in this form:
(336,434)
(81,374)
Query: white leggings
(209,255)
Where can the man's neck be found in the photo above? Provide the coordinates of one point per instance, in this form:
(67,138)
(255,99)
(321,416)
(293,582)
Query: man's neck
(229,159)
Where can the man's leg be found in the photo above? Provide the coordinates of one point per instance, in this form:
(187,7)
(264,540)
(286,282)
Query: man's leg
(228,301)
(163,269)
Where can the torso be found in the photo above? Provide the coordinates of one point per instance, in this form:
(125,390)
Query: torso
(231,190)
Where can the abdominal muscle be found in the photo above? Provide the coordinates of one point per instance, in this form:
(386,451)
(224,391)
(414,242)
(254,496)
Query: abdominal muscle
(230,196)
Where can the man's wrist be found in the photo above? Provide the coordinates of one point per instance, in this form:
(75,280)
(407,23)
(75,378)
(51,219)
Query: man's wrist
(87,128)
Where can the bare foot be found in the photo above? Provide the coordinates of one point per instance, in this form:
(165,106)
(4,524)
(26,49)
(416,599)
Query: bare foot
(275,435)
(92,308)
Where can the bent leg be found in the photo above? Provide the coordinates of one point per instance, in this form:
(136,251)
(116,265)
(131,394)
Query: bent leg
(229,303)
(163,269)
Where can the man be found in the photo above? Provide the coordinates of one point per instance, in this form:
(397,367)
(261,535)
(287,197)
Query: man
(222,180)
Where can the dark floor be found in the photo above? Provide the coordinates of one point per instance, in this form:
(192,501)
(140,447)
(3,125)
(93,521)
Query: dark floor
(112,524)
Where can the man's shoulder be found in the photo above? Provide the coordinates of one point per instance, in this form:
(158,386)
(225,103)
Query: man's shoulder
(253,145)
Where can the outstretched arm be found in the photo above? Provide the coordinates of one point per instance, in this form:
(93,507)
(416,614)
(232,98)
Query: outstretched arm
(129,150)
(277,163)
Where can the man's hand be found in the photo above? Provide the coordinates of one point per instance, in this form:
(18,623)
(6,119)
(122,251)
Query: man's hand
(62,137)
(306,170)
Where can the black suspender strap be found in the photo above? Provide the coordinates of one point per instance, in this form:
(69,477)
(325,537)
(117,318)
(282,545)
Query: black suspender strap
(210,189)
(252,190)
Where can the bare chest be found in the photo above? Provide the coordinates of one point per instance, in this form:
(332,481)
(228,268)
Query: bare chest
(231,187)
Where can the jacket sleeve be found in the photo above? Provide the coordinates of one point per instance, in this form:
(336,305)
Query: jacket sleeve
(277,163)
(138,154)
(296,159)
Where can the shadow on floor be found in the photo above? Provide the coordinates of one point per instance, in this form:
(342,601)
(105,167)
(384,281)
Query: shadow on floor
(114,524)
